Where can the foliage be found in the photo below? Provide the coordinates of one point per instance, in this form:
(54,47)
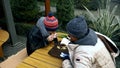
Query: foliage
(65,12)
(50,0)
(24,10)
(23,28)
(103,4)
(41,0)
(90,4)
(106,22)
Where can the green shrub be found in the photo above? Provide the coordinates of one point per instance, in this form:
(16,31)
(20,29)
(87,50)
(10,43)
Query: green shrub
(106,22)
(50,0)
(41,0)
(65,12)
(24,10)
(90,4)
(23,28)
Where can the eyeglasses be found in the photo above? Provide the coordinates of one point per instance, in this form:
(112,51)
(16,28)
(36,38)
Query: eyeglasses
(68,37)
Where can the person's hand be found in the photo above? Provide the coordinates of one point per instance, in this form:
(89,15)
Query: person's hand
(64,56)
(52,37)
(55,35)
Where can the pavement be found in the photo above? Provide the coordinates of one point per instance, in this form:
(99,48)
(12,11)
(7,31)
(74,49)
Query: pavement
(9,49)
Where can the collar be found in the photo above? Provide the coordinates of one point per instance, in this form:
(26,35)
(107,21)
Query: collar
(89,39)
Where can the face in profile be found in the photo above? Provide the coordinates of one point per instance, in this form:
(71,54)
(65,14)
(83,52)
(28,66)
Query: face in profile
(72,38)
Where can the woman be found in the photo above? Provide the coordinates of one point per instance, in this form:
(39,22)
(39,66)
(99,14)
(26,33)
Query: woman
(42,33)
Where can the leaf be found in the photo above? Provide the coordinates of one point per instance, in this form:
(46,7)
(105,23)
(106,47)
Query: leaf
(91,15)
(106,22)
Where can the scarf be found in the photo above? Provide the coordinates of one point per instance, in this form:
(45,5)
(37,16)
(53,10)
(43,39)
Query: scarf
(41,26)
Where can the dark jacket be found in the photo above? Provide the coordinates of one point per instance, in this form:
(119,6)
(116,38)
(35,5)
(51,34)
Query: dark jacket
(36,37)
(35,40)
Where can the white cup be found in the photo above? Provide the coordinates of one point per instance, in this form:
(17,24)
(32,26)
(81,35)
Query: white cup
(65,41)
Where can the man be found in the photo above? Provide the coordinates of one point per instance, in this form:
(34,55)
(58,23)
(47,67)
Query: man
(86,49)
(42,33)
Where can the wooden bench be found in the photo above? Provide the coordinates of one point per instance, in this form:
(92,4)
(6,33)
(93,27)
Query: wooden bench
(41,59)
(4,35)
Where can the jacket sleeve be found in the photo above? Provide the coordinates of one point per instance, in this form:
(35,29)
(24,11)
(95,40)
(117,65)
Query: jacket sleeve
(40,40)
(35,40)
(66,64)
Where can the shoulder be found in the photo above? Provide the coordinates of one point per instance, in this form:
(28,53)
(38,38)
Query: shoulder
(106,37)
(41,18)
(34,30)
(111,43)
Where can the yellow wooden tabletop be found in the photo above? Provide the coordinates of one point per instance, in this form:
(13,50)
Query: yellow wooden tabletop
(41,59)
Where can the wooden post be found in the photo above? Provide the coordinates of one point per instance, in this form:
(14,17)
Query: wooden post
(47,7)
(9,20)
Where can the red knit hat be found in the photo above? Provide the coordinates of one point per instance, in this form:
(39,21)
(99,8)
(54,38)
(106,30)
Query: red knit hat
(51,23)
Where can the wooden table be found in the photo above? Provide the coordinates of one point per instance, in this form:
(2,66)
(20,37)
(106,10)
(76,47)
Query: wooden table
(4,35)
(41,59)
